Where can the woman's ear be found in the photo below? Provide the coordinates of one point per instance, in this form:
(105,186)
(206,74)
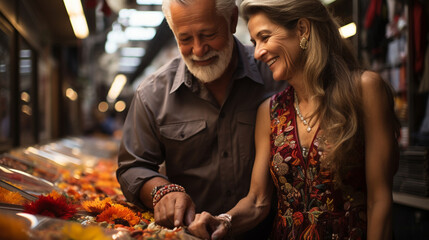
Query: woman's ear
(304,27)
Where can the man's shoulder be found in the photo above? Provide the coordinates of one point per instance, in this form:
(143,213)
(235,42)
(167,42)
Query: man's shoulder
(161,79)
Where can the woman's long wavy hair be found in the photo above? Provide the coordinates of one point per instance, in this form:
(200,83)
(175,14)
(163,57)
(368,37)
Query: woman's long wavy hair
(331,74)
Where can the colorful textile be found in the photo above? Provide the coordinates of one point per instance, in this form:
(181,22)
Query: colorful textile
(310,205)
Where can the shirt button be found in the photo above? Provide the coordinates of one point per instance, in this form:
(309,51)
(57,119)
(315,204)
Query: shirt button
(182,135)
(225,154)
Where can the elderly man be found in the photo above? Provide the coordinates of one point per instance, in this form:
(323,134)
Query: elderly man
(197,114)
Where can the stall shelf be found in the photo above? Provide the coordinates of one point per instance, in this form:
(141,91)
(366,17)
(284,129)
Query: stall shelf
(67,189)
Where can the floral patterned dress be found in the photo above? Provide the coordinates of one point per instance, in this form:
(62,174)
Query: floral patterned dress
(310,205)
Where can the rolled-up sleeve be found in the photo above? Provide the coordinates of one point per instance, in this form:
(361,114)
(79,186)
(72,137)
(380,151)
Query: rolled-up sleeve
(141,152)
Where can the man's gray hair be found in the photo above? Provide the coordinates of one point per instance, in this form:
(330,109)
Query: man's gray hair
(224,8)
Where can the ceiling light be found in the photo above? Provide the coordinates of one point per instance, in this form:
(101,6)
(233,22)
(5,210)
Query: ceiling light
(25,97)
(132,52)
(116,88)
(77,18)
(103,106)
(327,2)
(145,18)
(120,106)
(71,94)
(110,47)
(26,109)
(149,2)
(140,34)
(348,30)
(129,61)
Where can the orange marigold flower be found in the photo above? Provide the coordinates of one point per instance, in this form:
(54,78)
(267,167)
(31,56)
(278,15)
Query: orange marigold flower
(55,195)
(7,196)
(87,186)
(97,206)
(116,213)
(62,185)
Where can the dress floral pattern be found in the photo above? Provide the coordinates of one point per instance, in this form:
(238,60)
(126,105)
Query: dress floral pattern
(310,205)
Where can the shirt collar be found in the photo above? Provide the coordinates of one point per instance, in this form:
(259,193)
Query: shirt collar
(246,67)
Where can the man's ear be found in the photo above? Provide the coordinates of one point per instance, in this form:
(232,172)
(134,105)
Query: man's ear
(304,28)
(234,20)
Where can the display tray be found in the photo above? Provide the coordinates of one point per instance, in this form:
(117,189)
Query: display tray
(6,207)
(24,181)
(29,166)
(76,190)
(16,224)
(19,225)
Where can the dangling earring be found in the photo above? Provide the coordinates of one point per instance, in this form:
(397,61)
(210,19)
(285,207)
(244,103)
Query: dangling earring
(303,43)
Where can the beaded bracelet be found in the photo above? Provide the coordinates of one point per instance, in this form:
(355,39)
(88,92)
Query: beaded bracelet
(161,192)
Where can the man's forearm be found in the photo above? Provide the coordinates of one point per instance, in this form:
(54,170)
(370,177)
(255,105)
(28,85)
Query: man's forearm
(146,189)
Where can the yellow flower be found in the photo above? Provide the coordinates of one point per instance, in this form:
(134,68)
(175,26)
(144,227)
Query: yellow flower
(75,231)
(148,216)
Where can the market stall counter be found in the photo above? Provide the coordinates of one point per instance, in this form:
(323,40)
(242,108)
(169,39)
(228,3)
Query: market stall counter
(68,190)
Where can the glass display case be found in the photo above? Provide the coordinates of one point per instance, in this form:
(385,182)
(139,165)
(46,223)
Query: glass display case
(67,189)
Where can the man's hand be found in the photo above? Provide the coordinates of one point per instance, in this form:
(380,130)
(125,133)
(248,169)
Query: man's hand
(206,226)
(174,209)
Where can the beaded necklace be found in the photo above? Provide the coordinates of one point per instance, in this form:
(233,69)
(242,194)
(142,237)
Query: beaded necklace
(304,121)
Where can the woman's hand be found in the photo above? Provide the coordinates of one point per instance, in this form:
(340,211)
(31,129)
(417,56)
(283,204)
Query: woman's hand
(206,226)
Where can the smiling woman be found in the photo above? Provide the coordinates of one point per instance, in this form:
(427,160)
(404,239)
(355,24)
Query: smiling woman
(322,142)
(278,47)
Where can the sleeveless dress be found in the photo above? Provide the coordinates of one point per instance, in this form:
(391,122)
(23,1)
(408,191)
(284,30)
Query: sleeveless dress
(310,205)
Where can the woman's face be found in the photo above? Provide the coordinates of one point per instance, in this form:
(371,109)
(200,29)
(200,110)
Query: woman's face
(276,46)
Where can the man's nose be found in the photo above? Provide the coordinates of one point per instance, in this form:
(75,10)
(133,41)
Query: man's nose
(200,48)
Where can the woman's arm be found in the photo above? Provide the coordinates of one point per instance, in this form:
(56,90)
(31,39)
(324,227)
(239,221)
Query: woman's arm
(381,154)
(253,208)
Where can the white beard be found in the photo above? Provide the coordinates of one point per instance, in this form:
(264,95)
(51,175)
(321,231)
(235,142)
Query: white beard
(213,71)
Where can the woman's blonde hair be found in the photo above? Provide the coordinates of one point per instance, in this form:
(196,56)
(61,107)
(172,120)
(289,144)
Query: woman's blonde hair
(331,74)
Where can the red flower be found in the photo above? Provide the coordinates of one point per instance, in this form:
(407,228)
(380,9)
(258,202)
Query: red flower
(51,207)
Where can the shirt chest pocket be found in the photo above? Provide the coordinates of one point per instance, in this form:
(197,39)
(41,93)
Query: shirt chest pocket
(182,131)
(180,141)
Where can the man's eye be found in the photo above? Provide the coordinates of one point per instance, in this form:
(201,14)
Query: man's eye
(185,39)
(209,35)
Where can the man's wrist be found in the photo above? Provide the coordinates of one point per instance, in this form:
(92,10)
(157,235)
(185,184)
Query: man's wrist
(156,188)
(161,191)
